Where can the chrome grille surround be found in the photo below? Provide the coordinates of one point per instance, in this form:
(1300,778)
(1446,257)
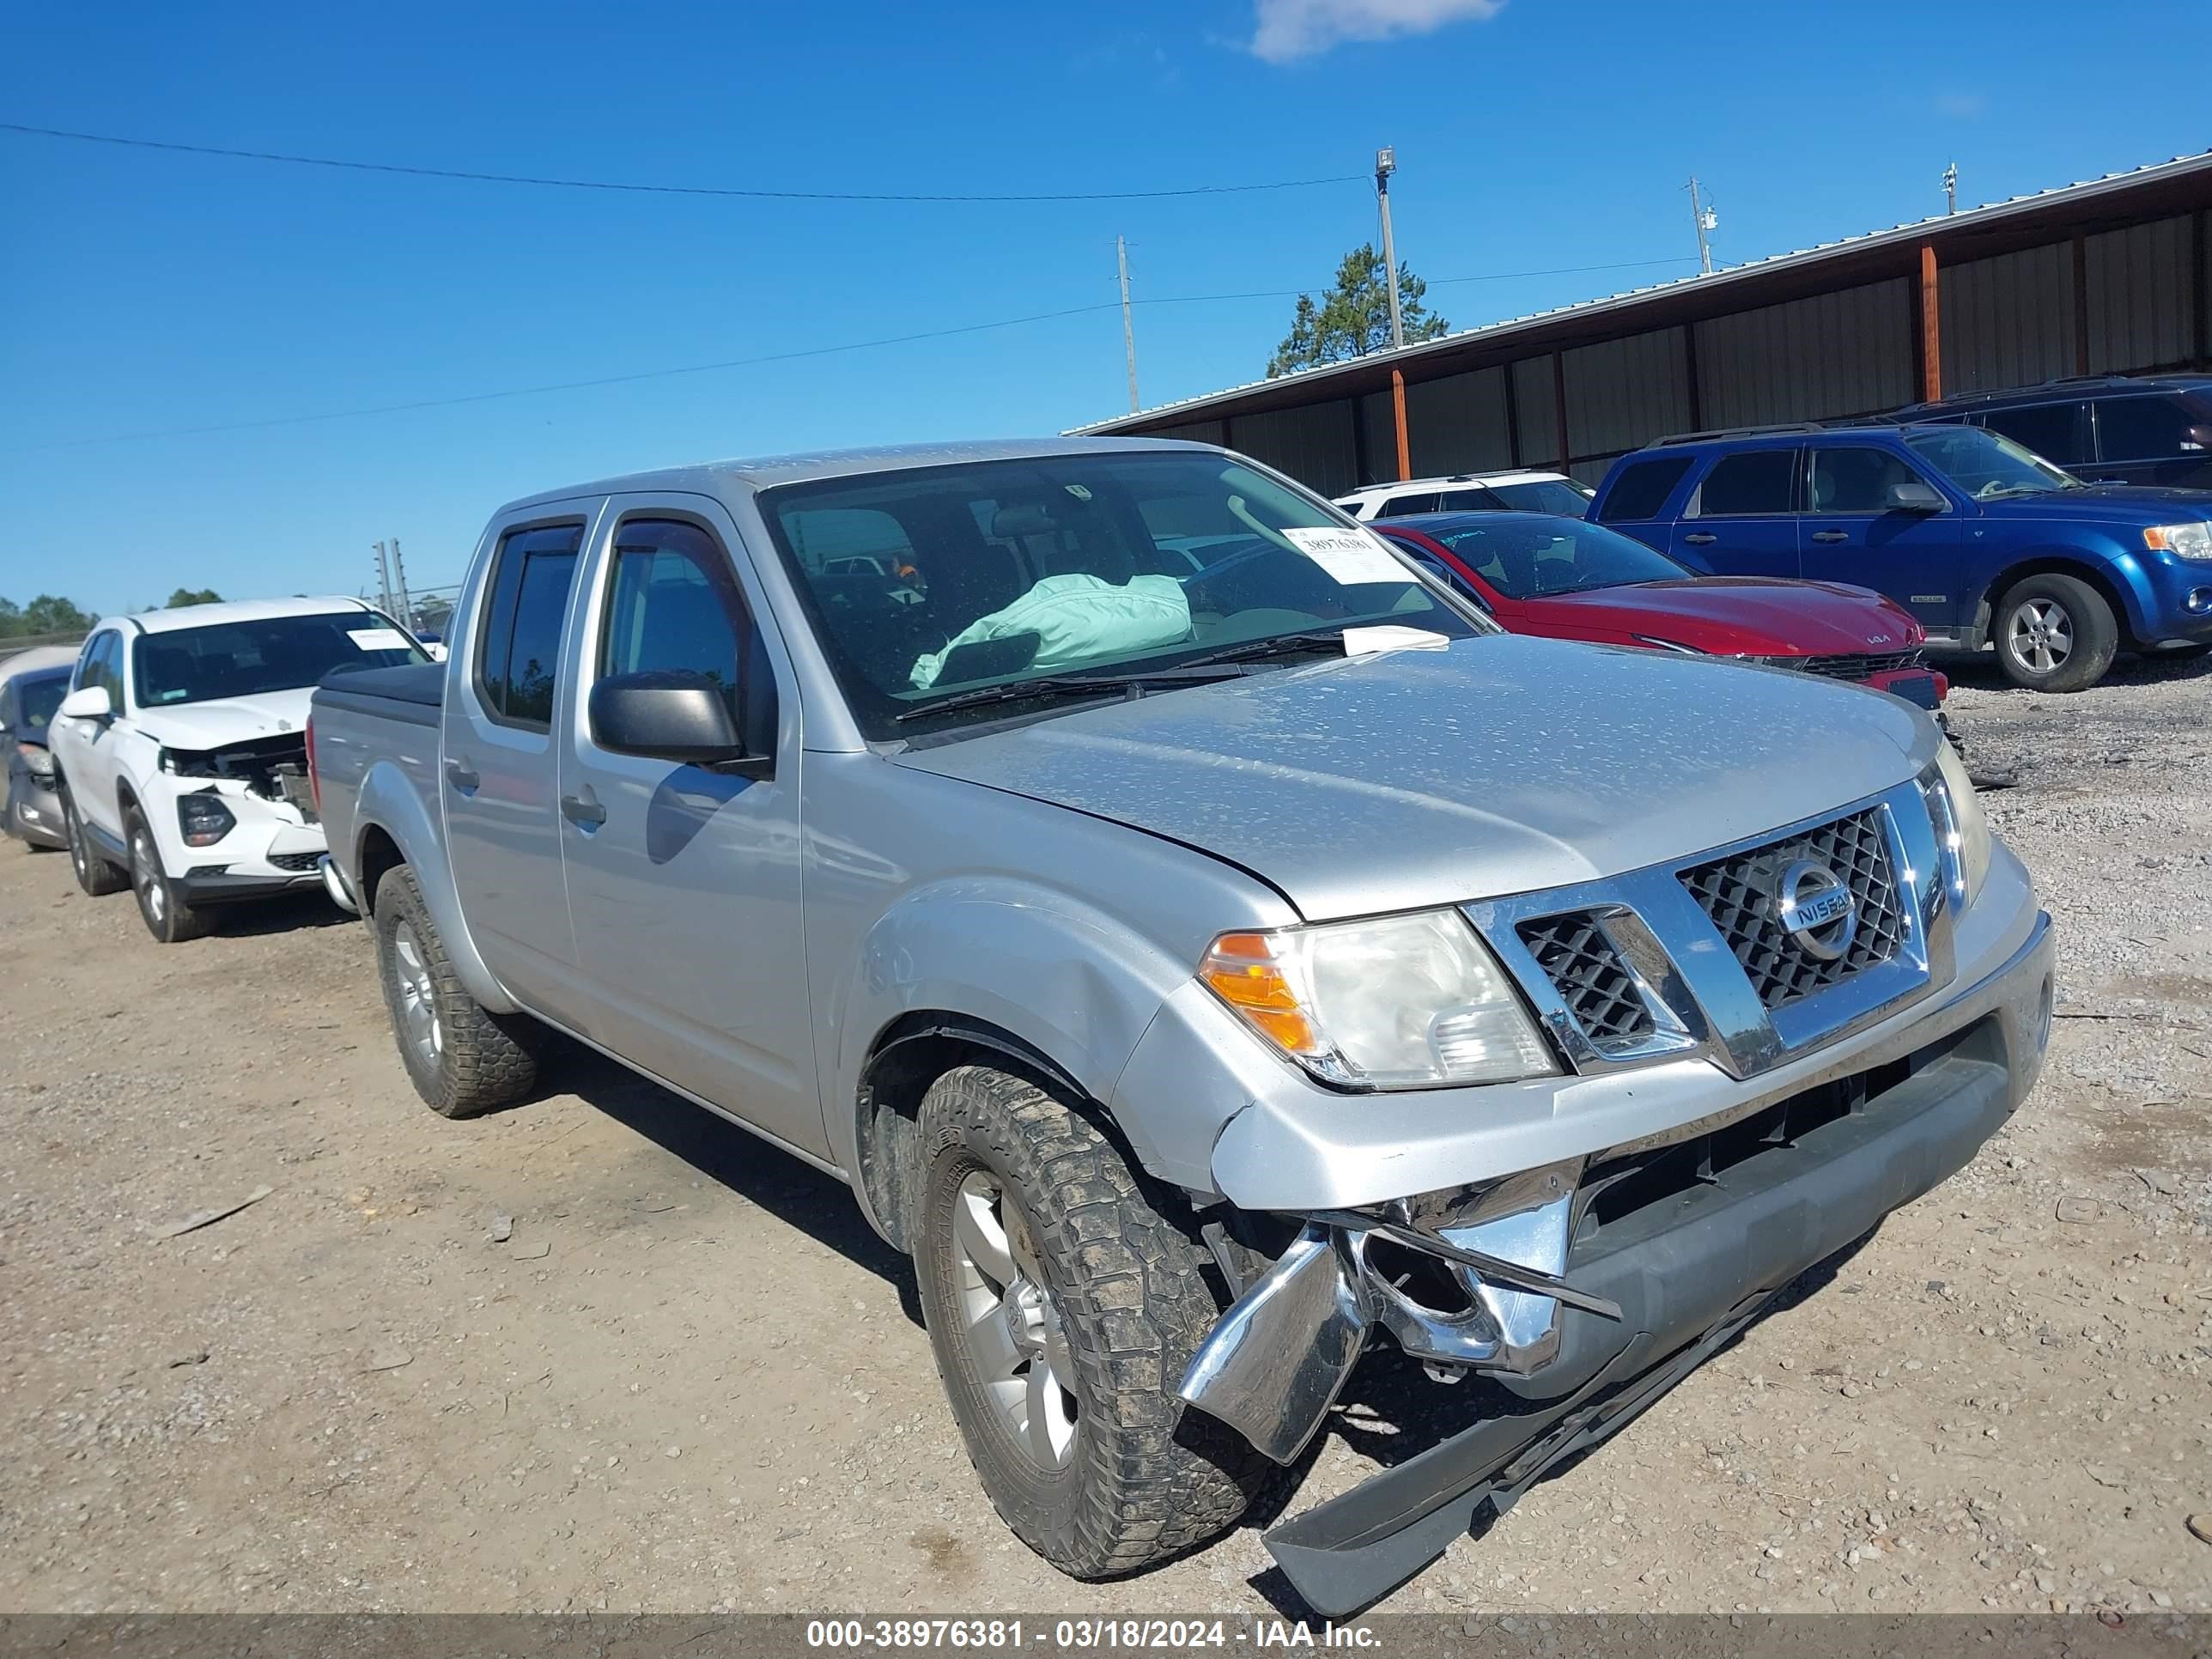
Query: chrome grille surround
(1738,893)
(1697,992)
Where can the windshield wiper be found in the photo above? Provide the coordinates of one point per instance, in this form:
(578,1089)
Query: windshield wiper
(1131,684)
(1274,645)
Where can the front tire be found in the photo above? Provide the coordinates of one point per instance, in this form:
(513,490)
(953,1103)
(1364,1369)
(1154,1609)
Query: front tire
(2055,633)
(161,904)
(94,874)
(462,1057)
(1063,1310)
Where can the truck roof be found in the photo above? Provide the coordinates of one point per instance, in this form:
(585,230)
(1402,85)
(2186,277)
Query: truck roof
(762,472)
(203,615)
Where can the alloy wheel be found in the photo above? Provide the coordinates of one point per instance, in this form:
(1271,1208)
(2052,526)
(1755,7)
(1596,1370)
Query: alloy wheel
(2042,635)
(418,1006)
(146,877)
(1011,1327)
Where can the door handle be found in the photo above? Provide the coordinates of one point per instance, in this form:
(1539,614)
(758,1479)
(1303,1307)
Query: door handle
(589,814)
(463,778)
(1831,536)
(1701,538)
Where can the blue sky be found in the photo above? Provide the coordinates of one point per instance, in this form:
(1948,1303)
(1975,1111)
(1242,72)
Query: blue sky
(146,292)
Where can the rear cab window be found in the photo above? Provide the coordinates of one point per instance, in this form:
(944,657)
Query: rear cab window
(1642,489)
(518,653)
(1750,483)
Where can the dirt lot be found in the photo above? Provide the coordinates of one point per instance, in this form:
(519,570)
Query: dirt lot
(690,1379)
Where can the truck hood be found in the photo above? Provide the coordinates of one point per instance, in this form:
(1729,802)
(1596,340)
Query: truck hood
(1754,615)
(201,725)
(2128,504)
(1508,762)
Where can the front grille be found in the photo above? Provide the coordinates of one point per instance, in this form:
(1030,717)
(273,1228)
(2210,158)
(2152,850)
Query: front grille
(1581,962)
(1864,667)
(296,861)
(1738,892)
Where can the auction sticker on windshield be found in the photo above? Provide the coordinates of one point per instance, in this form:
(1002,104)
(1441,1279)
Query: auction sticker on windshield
(377,638)
(1351,556)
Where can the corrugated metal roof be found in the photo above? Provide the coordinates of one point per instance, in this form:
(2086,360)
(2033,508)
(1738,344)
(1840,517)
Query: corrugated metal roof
(1913,230)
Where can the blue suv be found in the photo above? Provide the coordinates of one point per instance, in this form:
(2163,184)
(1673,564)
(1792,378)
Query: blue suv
(1984,541)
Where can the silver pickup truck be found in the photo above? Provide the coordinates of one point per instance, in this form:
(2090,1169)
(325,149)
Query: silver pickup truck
(1207,950)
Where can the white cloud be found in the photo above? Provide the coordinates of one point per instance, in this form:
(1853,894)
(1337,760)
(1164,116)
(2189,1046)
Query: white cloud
(1284,29)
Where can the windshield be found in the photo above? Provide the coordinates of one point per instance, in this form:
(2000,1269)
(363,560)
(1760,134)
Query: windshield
(276,653)
(1985,465)
(36,698)
(1527,555)
(927,584)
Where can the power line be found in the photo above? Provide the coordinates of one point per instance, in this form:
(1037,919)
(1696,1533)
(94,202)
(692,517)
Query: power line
(657,190)
(464,398)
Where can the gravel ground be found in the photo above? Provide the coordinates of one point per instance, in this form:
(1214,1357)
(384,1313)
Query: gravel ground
(603,1352)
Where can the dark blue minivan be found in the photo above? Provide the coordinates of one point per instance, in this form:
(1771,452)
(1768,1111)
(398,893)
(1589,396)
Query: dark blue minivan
(1984,541)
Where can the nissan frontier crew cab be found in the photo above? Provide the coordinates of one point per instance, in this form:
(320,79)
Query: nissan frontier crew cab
(1210,952)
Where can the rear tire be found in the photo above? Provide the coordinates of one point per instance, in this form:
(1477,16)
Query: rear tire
(2056,633)
(161,904)
(94,874)
(462,1057)
(1063,1310)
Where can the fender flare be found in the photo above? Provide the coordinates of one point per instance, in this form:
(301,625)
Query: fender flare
(1026,970)
(2111,569)
(389,803)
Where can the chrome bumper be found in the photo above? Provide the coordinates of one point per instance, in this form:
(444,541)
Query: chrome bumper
(1277,1360)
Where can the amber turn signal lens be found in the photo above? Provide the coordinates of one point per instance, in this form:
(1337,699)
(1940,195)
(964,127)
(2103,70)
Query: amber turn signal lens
(1244,971)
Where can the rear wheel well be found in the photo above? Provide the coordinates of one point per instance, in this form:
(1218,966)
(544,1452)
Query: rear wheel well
(380,856)
(1993,600)
(909,1055)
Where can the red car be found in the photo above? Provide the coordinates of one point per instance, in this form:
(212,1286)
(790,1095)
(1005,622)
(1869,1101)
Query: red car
(1568,578)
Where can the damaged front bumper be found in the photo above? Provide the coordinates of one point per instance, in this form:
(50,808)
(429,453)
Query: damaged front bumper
(1613,1277)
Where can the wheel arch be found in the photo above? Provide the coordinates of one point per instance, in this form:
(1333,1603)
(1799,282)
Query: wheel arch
(906,1058)
(2126,605)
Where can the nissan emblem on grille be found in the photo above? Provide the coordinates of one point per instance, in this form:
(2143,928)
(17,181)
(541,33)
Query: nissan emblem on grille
(1815,909)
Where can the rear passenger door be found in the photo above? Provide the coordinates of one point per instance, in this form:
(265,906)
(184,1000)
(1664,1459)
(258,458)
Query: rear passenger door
(684,881)
(500,778)
(1740,520)
(1852,533)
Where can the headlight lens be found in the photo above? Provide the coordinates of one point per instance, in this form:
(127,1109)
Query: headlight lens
(2183,541)
(1962,831)
(1400,1002)
(37,761)
(203,819)
(1657,644)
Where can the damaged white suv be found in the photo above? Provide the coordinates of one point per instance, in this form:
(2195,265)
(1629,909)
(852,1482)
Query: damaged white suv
(181,750)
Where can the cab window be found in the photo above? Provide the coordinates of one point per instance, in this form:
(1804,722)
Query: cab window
(517,662)
(1857,480)
(1756,482)
(673,604)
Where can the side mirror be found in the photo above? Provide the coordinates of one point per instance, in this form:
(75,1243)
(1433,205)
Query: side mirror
(1912,495)
(672,714)
(90,702)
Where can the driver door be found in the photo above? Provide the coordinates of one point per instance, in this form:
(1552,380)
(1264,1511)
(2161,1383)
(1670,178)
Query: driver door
(1853,535)
(683,880)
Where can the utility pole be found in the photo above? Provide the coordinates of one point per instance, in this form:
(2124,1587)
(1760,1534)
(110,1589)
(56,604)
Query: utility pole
(1128,334)
(1386,163)
(1950,189)
(383,580)
(1701,213)
(406,612)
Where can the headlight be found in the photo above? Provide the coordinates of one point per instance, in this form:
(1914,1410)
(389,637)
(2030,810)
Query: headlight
(203,819)
(1400,1002)
(1657,644)
(1962,834)
(37,761)
(2183,541)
